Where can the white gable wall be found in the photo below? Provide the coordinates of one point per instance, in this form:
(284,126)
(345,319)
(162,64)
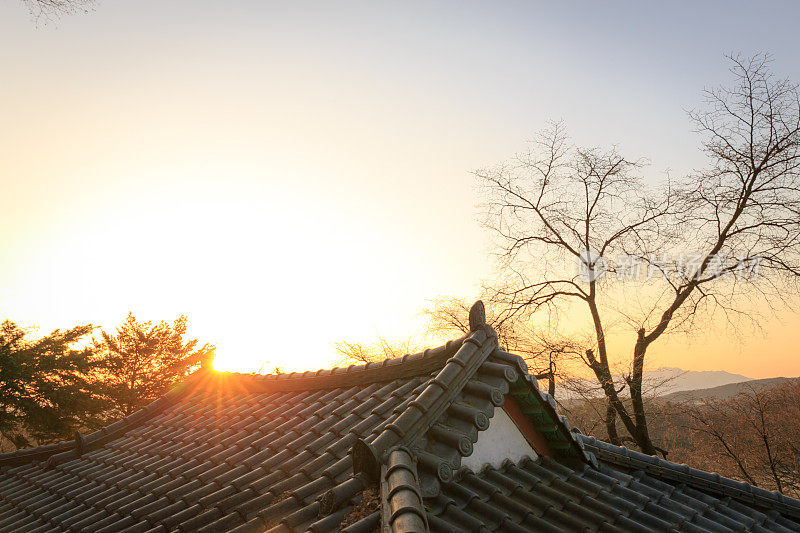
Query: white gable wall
(501,441)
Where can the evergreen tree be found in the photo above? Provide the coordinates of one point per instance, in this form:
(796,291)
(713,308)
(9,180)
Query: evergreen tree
(144,359)
(47,386)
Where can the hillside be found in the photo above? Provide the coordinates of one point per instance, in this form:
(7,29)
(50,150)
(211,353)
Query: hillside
(723,391)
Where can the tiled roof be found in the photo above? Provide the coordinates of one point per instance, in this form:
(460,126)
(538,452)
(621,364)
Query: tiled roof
(296,452)
(545,495)
(621,458)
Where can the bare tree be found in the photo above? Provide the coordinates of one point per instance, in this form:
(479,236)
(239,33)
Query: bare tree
(754,433)
(359,353)
(558,206)
(48,9)
(543,350)
(543,353)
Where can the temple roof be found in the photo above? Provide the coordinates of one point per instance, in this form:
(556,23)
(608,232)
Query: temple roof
(375,446)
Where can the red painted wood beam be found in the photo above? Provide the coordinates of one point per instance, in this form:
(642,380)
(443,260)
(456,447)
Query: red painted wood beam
(526,427)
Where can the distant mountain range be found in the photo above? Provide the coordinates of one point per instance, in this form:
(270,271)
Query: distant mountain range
(676,385)
(724,391)
(668,380)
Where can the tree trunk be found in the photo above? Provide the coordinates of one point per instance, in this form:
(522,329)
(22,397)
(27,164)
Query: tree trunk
(636,425)
(641,435)
(611,425)
(603,373)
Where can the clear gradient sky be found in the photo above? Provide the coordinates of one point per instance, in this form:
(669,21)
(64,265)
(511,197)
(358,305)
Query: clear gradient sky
(289,174)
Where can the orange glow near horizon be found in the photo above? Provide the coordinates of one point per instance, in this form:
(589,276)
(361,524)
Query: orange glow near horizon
(276,282)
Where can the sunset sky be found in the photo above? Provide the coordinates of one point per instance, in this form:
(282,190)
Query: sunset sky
(291,174)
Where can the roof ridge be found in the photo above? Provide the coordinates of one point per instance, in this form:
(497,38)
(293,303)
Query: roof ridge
(428,405)
(408,365)
(623,456)
(402,507)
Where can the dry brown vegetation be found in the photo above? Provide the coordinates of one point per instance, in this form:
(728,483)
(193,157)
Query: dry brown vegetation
(753,436)
(369,503)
